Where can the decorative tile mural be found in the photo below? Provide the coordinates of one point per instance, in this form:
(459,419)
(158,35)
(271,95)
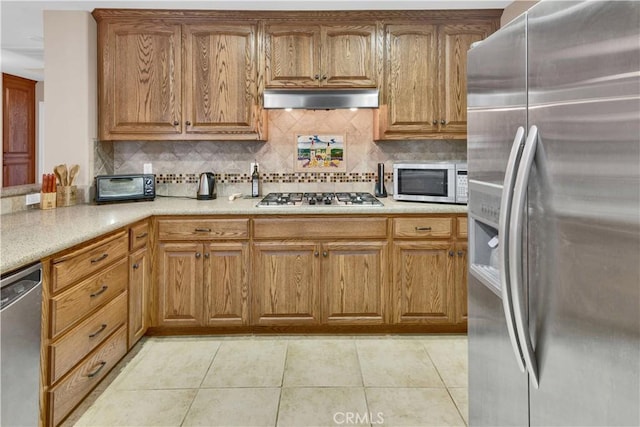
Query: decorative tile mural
(177,165)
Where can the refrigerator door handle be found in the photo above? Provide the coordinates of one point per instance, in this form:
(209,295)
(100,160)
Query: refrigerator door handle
(503,233)
(515,252)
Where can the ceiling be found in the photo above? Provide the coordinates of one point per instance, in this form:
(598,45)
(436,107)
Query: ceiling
(22,40)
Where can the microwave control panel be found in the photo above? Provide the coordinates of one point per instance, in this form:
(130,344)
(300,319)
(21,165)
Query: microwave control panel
(462,187)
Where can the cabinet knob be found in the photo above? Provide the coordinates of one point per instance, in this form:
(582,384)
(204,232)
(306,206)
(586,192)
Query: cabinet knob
(324,77)
(325,254)
(207,255)
(317,77)
(316,254)
(176,123)
(451,253)
(435,122)
(443,122)
(188,123)
(460,253)
(136,266)
(198,254)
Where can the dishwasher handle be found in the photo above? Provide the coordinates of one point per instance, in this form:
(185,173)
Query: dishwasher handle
(16,285)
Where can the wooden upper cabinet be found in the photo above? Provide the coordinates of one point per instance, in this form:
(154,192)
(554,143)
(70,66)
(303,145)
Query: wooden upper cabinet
(140,81)
(455,40)
(221,79)
(425,90)
(176,80)
(18,130)
(302,55)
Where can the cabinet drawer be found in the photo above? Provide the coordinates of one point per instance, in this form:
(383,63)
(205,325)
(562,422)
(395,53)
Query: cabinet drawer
(319,228)
(462,227)
(64,396)
(203,229)
(422,227)
(83,262)
(138,236)
(75,345)
(73,304)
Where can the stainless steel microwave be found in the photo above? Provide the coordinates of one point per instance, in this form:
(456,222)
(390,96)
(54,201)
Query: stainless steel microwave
(119,188)
(442,182)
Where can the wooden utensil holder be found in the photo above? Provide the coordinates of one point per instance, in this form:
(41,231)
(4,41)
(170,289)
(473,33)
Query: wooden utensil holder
(67,196)
(48,200)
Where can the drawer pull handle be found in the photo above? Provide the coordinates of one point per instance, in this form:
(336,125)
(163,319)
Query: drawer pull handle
(102,289)
(203,230)
(142,235)
(423,228)
(100,258)
(97,371)
(96,333)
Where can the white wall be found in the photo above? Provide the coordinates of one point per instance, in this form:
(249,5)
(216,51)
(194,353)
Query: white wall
(70,92)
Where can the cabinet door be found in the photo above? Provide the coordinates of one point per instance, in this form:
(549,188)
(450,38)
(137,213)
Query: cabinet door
(423,282)
(354,287)
(180,292)
(410,88)
(138,291)
(285,283)
(18,130)
(141,80)
(292,54)
(455,40)
(461,282)
(348,55)
(220,87)
(226,284)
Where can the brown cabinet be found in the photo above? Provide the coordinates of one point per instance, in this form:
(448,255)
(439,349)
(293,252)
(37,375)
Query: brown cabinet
(338,278)
(139,278)
(429,270)
(304,55)
(424,94)
(202,281)
(85,320)
(169,79)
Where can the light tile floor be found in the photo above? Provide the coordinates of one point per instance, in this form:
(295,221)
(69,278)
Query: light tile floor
(284,381)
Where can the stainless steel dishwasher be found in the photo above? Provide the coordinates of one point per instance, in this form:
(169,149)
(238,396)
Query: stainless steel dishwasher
(20,325)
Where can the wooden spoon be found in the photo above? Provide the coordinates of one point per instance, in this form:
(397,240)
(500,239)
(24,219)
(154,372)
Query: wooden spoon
(72,173)
(61,173)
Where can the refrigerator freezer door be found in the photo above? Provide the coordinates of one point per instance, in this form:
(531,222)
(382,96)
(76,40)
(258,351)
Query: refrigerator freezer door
(497,101)
(584,218)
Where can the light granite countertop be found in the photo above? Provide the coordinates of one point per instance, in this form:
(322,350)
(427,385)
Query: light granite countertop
(26,237)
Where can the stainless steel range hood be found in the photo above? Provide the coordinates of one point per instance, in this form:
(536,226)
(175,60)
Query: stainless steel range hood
(320,99)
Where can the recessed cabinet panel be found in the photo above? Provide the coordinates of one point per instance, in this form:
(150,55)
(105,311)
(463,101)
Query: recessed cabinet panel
(355,282)
(221,90)
(286,283)
(348,55)
(292,55)
(141,78)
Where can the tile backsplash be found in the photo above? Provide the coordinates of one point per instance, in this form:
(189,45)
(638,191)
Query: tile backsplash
(177,165)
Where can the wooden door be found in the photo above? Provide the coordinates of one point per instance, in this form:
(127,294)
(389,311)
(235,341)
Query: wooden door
(141,80)
(292,55)
(18,130)
(455,40)
(423,282)
(285,283)
(180,269)
(138,290)
(221,90)
(354,289)
(461,282)
(226,284)
(411,73)
(348,55)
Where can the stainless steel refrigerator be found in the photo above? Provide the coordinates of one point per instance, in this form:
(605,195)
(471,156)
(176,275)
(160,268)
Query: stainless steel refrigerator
(554,209)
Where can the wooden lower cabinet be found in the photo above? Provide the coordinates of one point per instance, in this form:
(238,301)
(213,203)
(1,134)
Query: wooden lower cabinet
(139,267)
(354,287)
(461,282)
(424,282)
(286,283)
(203,284)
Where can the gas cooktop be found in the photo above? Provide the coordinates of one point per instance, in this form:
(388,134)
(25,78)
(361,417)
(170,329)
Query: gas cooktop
(318,199)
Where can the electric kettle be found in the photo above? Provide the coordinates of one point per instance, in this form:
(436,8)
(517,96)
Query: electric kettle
(207,186)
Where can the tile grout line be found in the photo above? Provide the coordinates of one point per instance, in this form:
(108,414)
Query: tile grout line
(284,367)
(364,388)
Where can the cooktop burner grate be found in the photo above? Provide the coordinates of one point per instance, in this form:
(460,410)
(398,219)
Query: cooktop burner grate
(319,199)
